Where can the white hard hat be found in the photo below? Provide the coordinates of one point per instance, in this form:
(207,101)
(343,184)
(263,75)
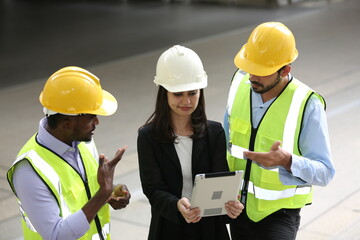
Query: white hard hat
(180,69)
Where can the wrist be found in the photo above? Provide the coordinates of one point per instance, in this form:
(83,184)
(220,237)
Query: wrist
(288,162)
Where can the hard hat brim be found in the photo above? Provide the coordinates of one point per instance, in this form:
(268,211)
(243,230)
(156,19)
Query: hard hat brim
(184,87)
(108,106)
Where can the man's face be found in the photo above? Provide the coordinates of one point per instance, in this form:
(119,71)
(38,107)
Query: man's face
(84,127)
(262,84)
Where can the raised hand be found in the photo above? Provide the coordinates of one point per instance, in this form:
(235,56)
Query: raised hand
(106,171)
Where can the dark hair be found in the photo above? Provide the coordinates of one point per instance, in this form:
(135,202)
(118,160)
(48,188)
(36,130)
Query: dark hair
(53,120)
(161,120)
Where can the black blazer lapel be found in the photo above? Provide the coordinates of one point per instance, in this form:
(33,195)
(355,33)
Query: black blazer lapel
(170,153)
(198,148)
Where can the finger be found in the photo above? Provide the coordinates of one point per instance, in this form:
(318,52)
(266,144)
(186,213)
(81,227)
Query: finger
(182,209)
(241,206)
(187,220)
(234,209)
(230,213)
(126,191)
(275,146)
(236,205)
(124,201)
(124,187)
(255,156)
(234,212)
(185,202)
(193,218)
(101,160)
(118,155)
(197,219)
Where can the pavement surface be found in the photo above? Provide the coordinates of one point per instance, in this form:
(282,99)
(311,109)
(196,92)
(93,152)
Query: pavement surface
(38,39)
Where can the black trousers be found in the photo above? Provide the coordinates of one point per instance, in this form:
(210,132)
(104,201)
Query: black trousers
(281,225)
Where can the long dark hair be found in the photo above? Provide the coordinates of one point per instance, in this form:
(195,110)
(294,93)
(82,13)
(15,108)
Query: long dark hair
(161,120)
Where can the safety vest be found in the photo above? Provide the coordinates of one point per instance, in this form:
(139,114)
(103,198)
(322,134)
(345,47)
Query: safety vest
(66,185)
(263,190)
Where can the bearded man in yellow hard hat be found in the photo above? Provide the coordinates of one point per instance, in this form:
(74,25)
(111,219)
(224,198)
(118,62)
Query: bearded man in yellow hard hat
(277,133)
(64,188)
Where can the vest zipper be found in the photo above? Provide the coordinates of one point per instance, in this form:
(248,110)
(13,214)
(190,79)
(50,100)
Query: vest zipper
(245,187)
(96,219)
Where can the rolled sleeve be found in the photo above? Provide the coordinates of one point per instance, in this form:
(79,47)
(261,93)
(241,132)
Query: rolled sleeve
(315,166)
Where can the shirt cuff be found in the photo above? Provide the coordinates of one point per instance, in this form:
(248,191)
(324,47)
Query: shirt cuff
(288,178)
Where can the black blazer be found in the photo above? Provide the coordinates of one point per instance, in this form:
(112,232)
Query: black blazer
(161,179)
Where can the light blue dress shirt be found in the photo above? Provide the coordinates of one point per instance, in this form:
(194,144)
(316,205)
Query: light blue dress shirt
(315,166)
(38,201)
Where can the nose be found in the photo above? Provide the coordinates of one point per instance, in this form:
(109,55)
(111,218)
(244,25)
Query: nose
(185,99)
(96,120)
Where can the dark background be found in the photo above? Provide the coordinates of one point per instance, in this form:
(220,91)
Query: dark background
(39,37)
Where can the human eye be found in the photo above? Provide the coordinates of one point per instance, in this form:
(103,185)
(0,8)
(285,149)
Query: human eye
(193,93)
(90,117)
(178,94)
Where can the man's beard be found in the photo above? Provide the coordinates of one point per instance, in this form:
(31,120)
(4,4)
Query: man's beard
(265,89)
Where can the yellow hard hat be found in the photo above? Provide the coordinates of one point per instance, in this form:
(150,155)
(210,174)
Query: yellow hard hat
(74,90)
(270,46)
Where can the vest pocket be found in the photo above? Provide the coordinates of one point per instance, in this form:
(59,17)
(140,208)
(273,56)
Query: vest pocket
(240,130)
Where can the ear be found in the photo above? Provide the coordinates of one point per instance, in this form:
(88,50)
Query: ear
(285,71)
(66,124)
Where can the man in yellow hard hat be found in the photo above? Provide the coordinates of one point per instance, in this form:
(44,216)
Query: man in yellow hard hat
(64,188)
(277,133)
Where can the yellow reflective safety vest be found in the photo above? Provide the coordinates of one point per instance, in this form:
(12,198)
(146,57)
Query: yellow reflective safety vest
(67,186)
(264,192)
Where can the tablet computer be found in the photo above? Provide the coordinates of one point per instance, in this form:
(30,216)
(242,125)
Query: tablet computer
(212,190)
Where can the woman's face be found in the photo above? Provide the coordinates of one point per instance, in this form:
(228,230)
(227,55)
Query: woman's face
(183,104)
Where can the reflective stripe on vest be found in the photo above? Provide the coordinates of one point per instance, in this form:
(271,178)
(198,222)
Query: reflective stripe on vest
(266,194)
(105,231)
(49,172)
(238,78)
(292,117)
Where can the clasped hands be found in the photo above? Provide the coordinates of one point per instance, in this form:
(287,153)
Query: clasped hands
(192,215)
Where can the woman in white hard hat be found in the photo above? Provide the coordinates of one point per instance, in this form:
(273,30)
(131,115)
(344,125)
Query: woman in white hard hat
(176,143)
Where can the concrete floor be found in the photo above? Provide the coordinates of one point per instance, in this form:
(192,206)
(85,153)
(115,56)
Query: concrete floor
(327,34)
